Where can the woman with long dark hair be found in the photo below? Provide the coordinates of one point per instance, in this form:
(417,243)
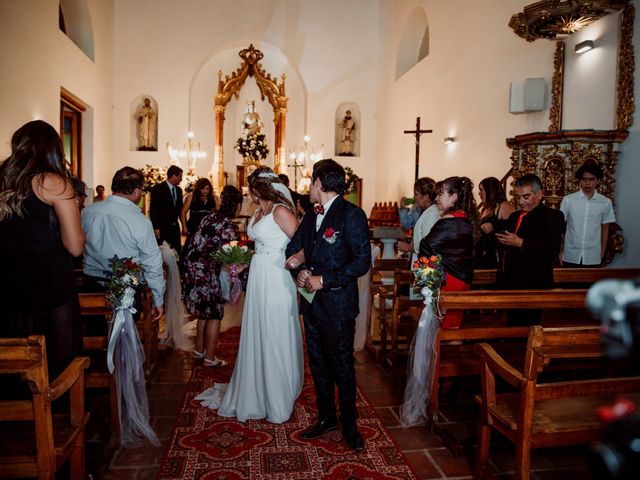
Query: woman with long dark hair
(452,237)
(198,204)
(494,212)
(201,288)
(40,232)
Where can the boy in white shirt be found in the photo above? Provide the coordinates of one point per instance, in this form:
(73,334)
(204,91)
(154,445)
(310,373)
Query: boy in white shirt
(588,215)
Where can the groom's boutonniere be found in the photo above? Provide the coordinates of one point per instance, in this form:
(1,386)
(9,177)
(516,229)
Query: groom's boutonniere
(330,235)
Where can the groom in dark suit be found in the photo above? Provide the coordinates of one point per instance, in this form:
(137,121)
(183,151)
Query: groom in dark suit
(326,255)
(166,204)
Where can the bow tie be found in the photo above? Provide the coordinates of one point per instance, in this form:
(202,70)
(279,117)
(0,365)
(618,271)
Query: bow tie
(318,209)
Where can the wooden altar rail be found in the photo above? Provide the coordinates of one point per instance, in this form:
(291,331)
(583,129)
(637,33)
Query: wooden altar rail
(384,215)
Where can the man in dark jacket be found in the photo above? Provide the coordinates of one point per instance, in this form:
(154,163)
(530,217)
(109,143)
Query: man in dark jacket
(166,204)
(335,240)
(532,241)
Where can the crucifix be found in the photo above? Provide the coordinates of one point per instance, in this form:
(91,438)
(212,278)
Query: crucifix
(418,133)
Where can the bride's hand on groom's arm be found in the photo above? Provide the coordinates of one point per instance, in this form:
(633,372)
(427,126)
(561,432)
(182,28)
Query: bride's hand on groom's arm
(295,260)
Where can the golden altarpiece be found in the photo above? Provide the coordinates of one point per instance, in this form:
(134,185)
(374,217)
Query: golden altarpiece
(230,86)
(556,155)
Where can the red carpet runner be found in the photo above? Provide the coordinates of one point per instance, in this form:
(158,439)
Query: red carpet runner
(204,446)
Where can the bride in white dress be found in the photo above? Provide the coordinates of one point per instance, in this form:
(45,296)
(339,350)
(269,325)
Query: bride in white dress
(268,373)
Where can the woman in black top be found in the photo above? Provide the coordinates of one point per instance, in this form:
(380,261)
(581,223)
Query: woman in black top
(452,237)
(494,212)
(40,232)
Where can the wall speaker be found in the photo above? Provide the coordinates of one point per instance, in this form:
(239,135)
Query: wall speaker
(527,96)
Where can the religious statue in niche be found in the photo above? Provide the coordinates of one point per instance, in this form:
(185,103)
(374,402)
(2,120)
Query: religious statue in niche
(347,135)
(251,123)
(146,121)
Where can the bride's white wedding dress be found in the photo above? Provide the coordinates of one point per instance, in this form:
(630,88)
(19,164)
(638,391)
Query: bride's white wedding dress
(268,374)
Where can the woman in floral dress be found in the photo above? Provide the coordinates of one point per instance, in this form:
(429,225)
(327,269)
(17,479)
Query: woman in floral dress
(201,274)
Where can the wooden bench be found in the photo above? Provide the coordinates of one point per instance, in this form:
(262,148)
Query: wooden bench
(36,443)
(544,414)
(382,269)
(564,277)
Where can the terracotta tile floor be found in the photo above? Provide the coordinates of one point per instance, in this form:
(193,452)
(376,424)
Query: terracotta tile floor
(424,450)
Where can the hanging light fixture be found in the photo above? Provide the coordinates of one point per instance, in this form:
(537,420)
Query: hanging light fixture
(190,151)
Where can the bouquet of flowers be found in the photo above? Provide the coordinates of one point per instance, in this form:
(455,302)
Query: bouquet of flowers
(235,254)
(252,146)
(428,273)
(153,175)
(124,278)
(349,180)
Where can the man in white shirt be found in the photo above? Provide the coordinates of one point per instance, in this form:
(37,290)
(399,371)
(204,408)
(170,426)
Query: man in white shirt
(116,226)
(588,215)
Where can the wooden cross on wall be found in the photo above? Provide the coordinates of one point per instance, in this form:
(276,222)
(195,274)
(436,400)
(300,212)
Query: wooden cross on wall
(418,133)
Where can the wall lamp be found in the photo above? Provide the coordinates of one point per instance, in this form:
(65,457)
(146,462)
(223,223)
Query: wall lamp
(449,140)
(584,46)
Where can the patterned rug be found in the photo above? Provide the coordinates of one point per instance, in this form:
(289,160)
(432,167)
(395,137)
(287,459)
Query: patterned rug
(204,446)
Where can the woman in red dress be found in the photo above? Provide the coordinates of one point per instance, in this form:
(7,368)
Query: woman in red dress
(452,237)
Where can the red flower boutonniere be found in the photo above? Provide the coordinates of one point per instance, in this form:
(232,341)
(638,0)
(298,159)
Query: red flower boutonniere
(330,235)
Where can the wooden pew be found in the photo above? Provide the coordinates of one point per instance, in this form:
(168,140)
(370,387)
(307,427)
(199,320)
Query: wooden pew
(564,277)
(489,327)
(38,442)
(384,291)
(544,414)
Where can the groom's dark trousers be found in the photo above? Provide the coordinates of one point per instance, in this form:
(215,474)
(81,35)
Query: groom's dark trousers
(339,251)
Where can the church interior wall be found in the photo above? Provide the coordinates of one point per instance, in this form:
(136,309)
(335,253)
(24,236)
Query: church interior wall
(38,59)
(335,52)
(330,49)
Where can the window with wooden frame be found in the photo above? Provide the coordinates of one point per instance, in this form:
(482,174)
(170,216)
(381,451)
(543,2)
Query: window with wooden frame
(71,110)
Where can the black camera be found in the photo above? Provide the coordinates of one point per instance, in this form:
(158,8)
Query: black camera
(617,304)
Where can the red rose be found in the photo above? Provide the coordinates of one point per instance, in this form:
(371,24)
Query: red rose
(329,232)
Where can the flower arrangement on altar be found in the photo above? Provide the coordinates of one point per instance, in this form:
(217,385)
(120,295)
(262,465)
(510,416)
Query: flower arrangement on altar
(153,175)
(235,255)
(350,180)
(252,146)
(124,278)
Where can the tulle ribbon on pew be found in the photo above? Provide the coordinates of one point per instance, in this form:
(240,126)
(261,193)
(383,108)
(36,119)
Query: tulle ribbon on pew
(422,357)
(125,359)
(175,315)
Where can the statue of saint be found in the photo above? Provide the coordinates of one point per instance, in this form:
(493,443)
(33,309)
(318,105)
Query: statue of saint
(146,117)
(251,124)
(347,135)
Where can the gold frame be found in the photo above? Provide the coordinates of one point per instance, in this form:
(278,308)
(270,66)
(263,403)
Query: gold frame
(269,88)
(625,103)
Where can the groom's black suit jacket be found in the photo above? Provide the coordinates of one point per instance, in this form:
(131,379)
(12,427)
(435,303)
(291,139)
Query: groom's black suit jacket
(340,263)
(164,214)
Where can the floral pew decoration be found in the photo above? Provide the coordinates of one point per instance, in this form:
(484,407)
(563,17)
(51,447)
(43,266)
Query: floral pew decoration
(429,277)
(125,355)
